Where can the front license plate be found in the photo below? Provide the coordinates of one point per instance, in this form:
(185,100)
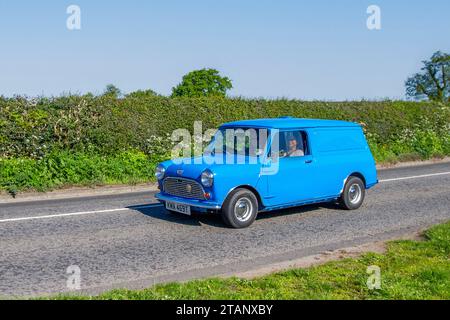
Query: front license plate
(178,207)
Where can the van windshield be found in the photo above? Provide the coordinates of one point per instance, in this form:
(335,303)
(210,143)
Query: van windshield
(238,141)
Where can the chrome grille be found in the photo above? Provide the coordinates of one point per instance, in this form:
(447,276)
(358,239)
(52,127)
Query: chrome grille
(184,188)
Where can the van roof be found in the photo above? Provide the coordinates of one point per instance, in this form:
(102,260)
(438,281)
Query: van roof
(288,122)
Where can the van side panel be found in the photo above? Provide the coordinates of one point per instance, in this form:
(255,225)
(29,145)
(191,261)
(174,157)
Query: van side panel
(339,152)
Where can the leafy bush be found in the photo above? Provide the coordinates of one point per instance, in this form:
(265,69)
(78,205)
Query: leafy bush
(50,142)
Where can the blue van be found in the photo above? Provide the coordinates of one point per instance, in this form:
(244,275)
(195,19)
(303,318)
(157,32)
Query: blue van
(270,164)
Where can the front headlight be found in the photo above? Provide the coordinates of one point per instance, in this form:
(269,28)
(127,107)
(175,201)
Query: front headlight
(207,178)
(159,172)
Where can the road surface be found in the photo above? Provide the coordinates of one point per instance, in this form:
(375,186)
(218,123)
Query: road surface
(129,241)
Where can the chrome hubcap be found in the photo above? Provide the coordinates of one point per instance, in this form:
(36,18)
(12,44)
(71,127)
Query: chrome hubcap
(354,193)
(243,209)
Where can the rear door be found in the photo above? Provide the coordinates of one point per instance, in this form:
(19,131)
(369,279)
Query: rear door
(338,152)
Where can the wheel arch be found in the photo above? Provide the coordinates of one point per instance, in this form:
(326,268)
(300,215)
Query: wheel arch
(359,175)
(251,189)
(354,174)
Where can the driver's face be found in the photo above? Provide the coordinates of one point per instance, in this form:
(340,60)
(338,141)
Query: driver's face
(292,144)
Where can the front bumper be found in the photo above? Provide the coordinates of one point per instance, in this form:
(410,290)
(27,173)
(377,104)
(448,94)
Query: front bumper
(189,202)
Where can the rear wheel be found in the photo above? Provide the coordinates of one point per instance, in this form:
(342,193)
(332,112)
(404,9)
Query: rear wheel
(353,195)
(240,209)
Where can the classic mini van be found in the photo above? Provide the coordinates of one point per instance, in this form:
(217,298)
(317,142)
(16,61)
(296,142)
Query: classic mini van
(268,164)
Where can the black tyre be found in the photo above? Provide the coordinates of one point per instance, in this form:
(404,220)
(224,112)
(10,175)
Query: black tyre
(240,209)
(353,195)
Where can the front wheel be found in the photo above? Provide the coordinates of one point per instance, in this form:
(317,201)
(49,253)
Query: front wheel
(353,195)
(240,209)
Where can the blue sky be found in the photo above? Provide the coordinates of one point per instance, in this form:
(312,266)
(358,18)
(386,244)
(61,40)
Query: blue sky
(286,48)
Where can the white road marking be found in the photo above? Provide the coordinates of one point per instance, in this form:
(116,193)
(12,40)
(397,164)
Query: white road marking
(75,214)
(156,204)
(416,177)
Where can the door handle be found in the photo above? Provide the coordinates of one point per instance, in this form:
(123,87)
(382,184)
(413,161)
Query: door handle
(308,161)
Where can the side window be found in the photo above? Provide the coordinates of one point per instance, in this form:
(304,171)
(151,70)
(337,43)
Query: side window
(291,144)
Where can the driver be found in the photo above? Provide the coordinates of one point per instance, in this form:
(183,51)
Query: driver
(294,151)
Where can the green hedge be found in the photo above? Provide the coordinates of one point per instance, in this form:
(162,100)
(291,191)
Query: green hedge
(39,132)
(62,168)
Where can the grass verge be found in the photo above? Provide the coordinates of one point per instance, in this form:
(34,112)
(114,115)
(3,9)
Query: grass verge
(409,270)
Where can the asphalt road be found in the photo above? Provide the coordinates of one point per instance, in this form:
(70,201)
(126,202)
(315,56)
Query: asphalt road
(130,241)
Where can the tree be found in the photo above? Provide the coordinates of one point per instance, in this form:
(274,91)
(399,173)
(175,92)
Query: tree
(434,80)
(142,94)
(112,90)
(202,83)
